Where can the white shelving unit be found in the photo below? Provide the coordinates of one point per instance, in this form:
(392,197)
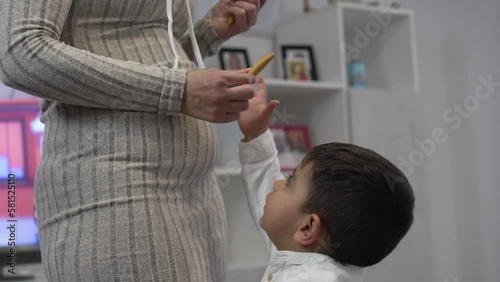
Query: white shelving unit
(283,89)
(384,40)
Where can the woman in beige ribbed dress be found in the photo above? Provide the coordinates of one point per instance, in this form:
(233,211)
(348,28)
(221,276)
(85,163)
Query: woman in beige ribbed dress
(126,190)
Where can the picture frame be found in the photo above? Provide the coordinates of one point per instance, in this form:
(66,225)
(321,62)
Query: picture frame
(299,63)
(234,58)
(293,142)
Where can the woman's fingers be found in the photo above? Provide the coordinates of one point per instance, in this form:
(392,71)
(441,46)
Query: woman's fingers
(239,77)
(217,95)
(240,93)
(251,10)
(231,17)
(240,16)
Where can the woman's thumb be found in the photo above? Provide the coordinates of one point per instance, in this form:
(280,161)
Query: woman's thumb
(243,70)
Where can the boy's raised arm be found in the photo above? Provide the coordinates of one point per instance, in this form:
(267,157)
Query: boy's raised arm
(258,154)
(260,168)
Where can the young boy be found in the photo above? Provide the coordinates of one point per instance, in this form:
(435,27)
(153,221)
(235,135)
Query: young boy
(343,208)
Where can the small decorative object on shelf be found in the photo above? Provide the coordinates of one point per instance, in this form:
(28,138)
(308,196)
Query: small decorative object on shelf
(298,63)
(234,59)
(293,142)
(395,4)
(357,73)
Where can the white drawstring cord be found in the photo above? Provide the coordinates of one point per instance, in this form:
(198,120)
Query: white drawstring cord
(171,33)
(192,35)
(196,49)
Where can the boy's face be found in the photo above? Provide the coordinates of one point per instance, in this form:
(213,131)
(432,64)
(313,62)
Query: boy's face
(283,208)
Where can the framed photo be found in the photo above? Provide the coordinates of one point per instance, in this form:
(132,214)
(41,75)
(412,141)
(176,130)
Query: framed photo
(298,63)
(293,143)
(233,59)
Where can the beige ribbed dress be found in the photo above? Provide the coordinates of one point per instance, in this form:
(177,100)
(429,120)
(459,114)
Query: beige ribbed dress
(125,190)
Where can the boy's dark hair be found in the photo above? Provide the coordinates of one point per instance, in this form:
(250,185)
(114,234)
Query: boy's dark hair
(364,201)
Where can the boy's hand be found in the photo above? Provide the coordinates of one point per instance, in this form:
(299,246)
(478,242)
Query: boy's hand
(255,121)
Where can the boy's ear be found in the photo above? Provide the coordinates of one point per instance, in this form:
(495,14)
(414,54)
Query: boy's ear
(309,231)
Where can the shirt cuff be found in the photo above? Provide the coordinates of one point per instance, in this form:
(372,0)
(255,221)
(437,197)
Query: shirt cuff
(258,149)
(173,91)
(208,39)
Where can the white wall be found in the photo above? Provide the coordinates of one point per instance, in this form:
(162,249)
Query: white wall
(458,42)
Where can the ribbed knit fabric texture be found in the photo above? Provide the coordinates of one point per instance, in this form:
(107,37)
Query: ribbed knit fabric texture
(125,190)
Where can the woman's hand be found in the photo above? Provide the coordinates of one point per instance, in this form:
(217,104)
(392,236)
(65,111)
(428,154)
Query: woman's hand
(217,95)
(255,121)
(244,12)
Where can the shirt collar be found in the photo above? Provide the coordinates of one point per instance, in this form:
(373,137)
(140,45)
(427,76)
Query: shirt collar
(279,259)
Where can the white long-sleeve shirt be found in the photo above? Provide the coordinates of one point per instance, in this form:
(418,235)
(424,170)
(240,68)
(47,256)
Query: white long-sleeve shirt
(260,168)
